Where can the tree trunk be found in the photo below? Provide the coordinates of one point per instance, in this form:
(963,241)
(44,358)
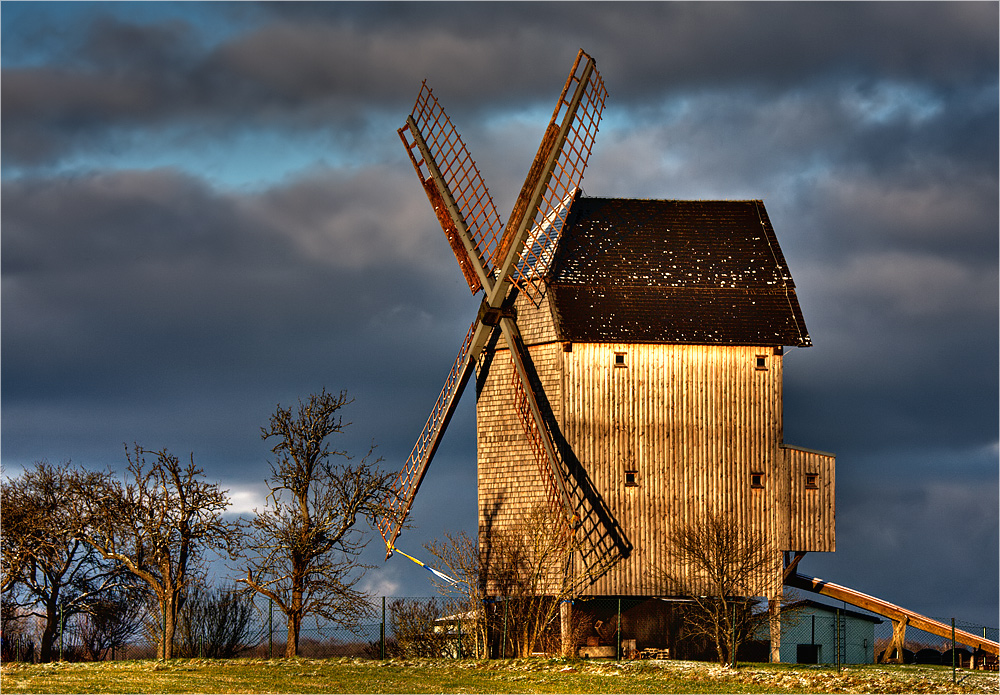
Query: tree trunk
(169,626)
(292,645)
(294,617)
(168,621)
(566,628)
(49,633)
(774,618)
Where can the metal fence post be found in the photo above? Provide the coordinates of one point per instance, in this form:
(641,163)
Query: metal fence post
(381,636)
(839,655)
(62,629)
(270,628)
(953,655)
(618,652)
(733,636)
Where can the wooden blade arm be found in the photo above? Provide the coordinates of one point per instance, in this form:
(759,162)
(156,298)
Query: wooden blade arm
(539,434)
(454,185)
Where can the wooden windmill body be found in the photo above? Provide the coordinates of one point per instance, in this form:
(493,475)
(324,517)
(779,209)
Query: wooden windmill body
(659,346)
(627,358)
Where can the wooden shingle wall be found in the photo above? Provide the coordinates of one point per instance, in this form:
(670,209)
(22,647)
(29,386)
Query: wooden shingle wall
(536,324)
(510,484)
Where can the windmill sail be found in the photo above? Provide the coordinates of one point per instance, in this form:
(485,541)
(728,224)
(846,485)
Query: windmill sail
(539,247)
(447,157)
(569,492)
(555,174)
(520,257)
(408,481)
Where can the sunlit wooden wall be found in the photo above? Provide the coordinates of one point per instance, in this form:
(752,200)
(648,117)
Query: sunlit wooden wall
(666,432)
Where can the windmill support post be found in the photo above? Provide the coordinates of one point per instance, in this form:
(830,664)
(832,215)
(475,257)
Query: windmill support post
(566,628)
(774,622)
(901,617)
(893,654)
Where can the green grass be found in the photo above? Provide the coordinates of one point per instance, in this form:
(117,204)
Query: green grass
(468,676)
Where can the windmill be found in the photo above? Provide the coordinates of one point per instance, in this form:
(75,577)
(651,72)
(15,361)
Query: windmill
(628,359)
(636,346)
(504,261)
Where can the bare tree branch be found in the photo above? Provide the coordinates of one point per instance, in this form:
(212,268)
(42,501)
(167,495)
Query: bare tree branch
(723,567)
(158,523)
(528,566)
(46,567)
(302,548)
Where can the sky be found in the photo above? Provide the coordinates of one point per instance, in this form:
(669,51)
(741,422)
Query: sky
(206,211)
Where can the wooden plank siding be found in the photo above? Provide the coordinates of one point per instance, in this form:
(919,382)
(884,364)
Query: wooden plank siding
(694,423)
(812,509)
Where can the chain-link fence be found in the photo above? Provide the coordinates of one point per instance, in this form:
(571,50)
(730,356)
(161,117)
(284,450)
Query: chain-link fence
(808,632)
(390,626)
(431,627)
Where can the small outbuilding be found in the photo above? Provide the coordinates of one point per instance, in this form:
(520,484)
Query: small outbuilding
(816,633)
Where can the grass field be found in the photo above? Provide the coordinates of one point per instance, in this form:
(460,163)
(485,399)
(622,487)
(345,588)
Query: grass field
(468,676)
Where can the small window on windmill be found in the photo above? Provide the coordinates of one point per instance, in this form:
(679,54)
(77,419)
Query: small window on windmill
(757,480)
(812,481)
(620,359)
(761,363)
(631,478)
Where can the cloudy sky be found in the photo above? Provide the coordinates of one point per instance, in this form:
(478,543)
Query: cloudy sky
(207,211)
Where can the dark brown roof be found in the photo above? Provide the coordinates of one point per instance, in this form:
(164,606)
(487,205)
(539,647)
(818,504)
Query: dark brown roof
(673,271)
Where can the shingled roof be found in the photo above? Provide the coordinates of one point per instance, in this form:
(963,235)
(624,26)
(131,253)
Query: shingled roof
(673,271)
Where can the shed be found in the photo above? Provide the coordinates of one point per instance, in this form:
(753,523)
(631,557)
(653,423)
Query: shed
(810,634)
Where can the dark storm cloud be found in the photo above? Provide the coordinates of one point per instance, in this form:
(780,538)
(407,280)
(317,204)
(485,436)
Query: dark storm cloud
(689,44)
(150,288)
(334,66)
(886,549)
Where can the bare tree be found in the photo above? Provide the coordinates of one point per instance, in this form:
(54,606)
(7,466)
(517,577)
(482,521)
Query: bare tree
(529,567)
(111,621)
(158,523)
(48,569)
(19,524)
(722,566)
(217,623)
(413,628)
(460,557)
(302,548)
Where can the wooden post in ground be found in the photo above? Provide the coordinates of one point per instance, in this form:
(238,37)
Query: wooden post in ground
(774,624)
(566,628)
(896,645)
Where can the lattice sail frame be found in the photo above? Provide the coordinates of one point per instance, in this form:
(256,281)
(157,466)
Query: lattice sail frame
(598,548)
(462,178)
(409,478)
(566,176)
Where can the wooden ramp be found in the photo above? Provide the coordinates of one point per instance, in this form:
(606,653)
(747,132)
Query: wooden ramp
(900,616)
